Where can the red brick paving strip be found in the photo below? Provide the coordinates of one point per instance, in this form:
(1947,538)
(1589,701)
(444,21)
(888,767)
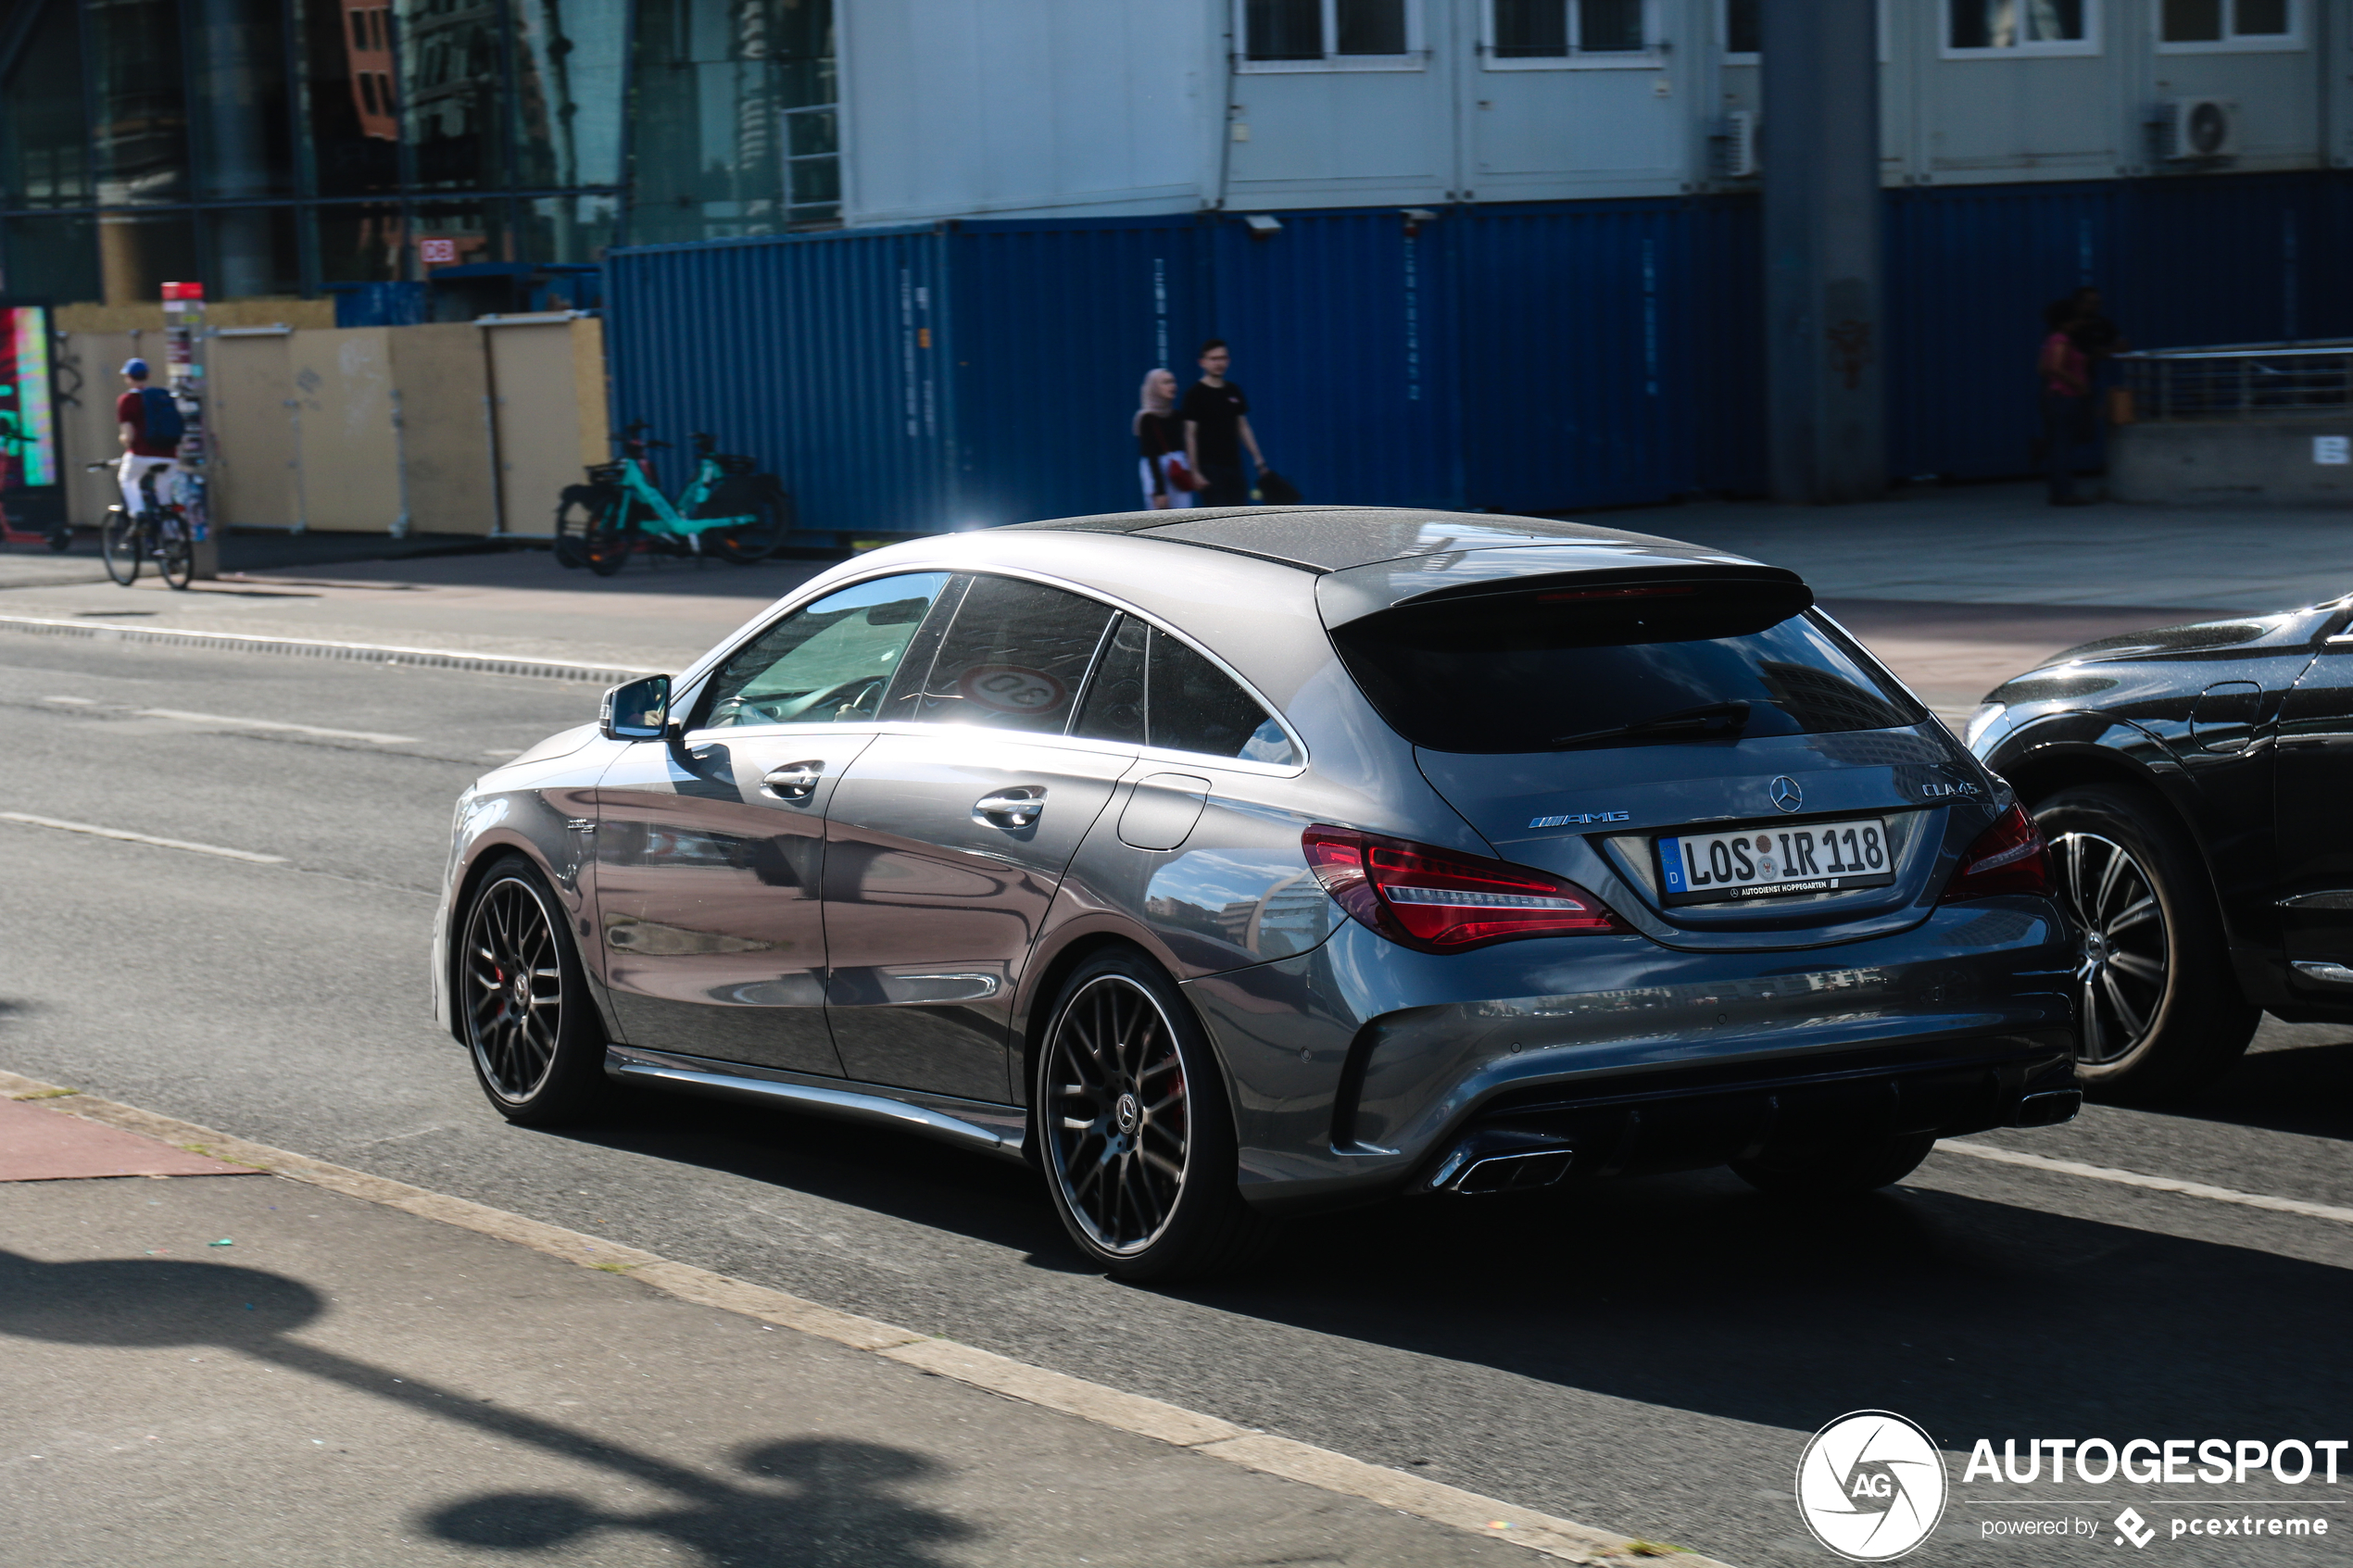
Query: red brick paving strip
(40,1145)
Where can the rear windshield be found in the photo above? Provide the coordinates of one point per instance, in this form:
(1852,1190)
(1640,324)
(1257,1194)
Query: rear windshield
(1553,671)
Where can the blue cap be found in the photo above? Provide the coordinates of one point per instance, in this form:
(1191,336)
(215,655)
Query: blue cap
(135,369)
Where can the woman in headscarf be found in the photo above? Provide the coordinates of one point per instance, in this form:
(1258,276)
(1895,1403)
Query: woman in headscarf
(1160,445)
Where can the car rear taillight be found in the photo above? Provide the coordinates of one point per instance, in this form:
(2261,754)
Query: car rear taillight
(2011,857)
(1443,902)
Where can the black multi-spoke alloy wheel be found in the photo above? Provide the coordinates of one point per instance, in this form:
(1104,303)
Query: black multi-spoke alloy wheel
(1134,1128)
(538,1049)
(118,542)
(176,554)
(1836,1168)
(2158,1007)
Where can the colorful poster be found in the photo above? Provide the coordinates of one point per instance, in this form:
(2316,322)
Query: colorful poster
(28,417)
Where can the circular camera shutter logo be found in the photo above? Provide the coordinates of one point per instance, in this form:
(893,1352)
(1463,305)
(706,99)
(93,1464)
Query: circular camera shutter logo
(1872,1486)
(1011,688)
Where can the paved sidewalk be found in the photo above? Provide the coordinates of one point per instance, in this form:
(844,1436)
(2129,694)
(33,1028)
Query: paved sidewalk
(239,1369)
(1972,584)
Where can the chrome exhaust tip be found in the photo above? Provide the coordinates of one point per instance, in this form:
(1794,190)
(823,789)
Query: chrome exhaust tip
(1501,1159)
(2047,1109)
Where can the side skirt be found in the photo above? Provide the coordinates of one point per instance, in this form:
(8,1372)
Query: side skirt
(975,1124)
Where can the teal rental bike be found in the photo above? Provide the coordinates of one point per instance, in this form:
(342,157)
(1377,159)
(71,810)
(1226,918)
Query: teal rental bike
(729,509)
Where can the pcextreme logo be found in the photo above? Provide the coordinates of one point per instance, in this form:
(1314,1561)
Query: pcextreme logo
(1870,1486)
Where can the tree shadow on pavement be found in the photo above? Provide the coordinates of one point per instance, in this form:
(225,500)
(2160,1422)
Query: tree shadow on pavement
(810,1499)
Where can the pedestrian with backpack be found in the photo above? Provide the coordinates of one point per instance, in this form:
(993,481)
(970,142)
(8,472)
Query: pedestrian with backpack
(150,428)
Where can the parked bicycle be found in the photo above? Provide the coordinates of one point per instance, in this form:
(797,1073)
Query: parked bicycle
(729,509)
(159,533)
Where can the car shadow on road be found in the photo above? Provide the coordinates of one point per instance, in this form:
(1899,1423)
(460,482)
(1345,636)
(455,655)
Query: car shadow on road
(1691,1291)
(1971,1316)
(2301,1089)
(801,1499)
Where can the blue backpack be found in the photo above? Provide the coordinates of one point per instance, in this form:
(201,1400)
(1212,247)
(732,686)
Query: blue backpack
(162,412)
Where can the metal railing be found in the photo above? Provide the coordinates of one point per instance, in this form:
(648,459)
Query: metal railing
(2242,381)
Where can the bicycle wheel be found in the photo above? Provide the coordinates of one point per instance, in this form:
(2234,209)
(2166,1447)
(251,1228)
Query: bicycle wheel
(121,542)
(177,557)
(576,512)
(754,542)
(605,545)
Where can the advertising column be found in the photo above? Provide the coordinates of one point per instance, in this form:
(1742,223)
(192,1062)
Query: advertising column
(183,331)
(29,455)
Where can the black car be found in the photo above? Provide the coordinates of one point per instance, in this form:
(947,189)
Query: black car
(2195,783)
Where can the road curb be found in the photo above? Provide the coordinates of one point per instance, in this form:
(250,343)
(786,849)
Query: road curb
(309,647)
(1134,1413)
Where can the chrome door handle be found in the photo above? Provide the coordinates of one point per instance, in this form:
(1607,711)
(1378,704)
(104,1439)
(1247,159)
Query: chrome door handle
(1011,809)
(795,781)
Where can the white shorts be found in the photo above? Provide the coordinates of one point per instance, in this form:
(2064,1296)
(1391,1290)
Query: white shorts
(167,485)
(1144,471)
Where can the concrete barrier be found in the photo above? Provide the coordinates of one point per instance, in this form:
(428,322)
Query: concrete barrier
(2297,462)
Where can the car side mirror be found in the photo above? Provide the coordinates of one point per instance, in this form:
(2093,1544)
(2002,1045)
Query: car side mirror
(637,710)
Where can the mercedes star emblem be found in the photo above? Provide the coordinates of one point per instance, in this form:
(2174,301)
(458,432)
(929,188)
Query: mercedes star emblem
(1785,793)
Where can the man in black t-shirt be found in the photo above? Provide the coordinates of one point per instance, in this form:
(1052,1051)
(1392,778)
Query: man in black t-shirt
(1217,419)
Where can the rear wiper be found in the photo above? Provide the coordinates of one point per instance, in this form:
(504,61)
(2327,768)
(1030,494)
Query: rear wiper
(1705,722)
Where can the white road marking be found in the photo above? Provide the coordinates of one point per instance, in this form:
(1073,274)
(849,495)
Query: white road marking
(76,701)
(2154,1184)
(129,837)
(186,717)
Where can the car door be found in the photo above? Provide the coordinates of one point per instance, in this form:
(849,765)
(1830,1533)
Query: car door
(2314,781)
(947,836)
(711,842)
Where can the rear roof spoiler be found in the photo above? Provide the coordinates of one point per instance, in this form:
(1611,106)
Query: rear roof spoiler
(1469,575)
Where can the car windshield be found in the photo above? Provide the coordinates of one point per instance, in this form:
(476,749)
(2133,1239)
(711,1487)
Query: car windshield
(1542,671)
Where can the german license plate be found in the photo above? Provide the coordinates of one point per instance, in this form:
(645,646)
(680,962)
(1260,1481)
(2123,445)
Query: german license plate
(1706,868)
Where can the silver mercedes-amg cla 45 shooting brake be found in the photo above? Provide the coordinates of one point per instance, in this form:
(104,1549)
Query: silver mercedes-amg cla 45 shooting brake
(1230,864)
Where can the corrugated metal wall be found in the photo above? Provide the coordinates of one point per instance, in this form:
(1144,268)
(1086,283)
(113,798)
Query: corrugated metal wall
(823,356)
(1055,325)
(1543,358)
(2223,259)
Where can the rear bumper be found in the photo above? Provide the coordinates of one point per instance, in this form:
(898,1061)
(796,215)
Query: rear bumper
(1357,1069)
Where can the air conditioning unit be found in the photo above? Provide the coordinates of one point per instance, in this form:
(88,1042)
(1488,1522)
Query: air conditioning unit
(2191,130)
(1738,157)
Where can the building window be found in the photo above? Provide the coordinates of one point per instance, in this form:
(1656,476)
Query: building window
(1330,35)
(1743,27)
(2021,27)
(1538,34)
(2202,26)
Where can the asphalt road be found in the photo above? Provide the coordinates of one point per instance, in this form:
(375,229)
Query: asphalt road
(1648,1357)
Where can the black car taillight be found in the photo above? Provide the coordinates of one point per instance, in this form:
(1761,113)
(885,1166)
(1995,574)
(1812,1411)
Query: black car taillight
(1441,901)
(2011,857)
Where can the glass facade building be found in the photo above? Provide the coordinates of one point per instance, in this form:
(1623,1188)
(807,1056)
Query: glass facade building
(282,147)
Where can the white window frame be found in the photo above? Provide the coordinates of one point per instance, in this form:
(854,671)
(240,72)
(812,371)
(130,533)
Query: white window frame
(2290,42)
(2090,44)
(1417,55)
(1648,57)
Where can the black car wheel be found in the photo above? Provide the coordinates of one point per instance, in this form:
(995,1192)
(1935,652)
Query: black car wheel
(2160,1009)
(539,1050)
(1134,1129)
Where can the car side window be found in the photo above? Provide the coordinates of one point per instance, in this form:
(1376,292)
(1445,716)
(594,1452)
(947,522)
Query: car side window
(1014,658)
(826,663)
(1154,688)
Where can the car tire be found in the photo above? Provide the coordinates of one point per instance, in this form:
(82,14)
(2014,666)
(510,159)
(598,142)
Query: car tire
(530,1026)
(1836,1170)
(1134,1129)
(2160,1007)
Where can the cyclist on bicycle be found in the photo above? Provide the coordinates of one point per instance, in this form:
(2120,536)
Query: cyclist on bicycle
(149,427)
